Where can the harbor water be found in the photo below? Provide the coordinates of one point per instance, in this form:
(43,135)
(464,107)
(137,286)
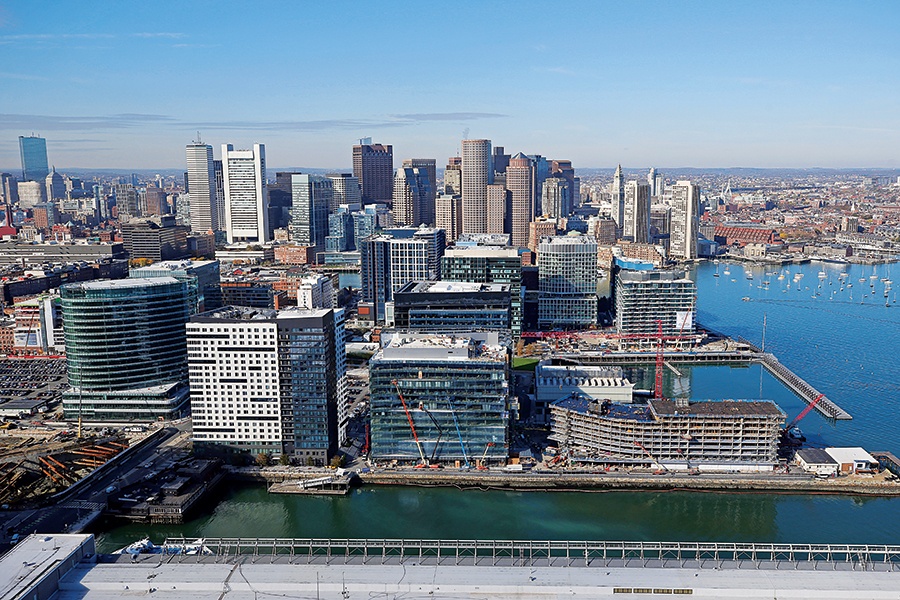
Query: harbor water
(844,348)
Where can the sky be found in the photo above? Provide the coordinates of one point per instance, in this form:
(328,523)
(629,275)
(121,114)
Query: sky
(726,83)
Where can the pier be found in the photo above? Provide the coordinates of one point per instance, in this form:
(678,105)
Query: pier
(750,354)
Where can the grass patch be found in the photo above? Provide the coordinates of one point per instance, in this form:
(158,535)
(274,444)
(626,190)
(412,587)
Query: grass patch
(524,363)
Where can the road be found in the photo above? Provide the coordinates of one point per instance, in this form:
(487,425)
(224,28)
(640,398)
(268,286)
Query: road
(87,501)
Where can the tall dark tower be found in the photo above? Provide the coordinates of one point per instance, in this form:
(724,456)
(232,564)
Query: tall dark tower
(373,165)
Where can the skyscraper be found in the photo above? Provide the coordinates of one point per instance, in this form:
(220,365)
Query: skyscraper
(373,165)
(637,212)
(201,180)
(126,354)
(477,174)
(520,183)
(557,200)
(126,202)
(617,191)
(453,176)
(412,197)
(33,151)
(246,197)
(564,169)
(498,211)
(311,195)
(56,186)
(220,192)
(448,215)
(685,225)
(428,165)
(346,191)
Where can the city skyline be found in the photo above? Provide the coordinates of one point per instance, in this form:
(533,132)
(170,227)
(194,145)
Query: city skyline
(703,84)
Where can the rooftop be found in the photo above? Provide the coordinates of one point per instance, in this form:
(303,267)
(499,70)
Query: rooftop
(124,284)
(721,408)
(452,287)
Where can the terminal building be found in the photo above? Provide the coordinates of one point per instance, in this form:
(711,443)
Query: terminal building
(125,349)
(269,381)
(443,397)
(644,297)
(675,433)
(444,306)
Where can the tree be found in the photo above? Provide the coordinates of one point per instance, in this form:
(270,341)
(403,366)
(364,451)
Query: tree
(263,459)
(284,460)
(337,461)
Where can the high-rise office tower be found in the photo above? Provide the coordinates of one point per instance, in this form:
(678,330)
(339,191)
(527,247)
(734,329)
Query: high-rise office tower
(498,208)
(637,212)
(477,174)
(557,201)
(9,188)
(220,192)
(500,160)
(430,169)
(373,165)
(685,226)
(246,197)
(617,192)
(448,215)
(520,183)
(126,202)
(31,193)
(56,186)
(201,180)
(292,399)
(567,272)
(311,195)
(453,176)
(126,354)
(651,181)
(564,169)
(33,151)
(413,200)
(346,191)
(541,172)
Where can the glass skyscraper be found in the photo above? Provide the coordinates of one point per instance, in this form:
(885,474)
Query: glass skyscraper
(33,151)
(126,353)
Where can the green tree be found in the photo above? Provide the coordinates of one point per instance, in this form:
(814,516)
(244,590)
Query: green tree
(284,460)
(263,459)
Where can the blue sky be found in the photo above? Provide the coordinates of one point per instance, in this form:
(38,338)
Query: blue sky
(705,84)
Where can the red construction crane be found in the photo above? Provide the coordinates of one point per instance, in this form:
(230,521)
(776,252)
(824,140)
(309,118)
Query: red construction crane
(803,413)
(411,425)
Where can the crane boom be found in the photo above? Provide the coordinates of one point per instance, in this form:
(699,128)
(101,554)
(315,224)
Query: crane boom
(439,428)
(411,424)
(804,412)
(657,391)
(459,434)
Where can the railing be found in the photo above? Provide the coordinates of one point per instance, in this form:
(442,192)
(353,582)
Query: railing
(551,553)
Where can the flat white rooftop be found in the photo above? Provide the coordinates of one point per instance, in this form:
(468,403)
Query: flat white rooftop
(165,577)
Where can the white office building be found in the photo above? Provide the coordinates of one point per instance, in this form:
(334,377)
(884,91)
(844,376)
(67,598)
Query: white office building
(246,197)
(685,225)
(637,212)
(201,183)
(567,281)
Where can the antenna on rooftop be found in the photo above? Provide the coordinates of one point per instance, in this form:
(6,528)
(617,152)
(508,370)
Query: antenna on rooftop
(466,133)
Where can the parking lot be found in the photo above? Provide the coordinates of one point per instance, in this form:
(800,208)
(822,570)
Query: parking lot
(28,383)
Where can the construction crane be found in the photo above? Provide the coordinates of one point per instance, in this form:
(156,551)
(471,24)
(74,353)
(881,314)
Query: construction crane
(440,434)
(481,465)
(793,424)
(660,469)
(660,362)
(459,434)
(412,426)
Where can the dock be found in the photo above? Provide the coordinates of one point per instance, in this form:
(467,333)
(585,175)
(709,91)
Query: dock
(329,485)
(750,355)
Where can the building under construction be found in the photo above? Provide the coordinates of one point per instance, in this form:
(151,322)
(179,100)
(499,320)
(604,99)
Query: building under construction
(440,399)
(675,431)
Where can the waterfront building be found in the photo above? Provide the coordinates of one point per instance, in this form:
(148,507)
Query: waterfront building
(637,212)
(445,306)
(267,381)
(567,280)
(490,265)
(453,176)
(373,166)
(246,197)
(311,195)
(364,223)
(685,226)
(552,382)
(455,390)
(673,433)
(202,183)
(202,277)
(642,298)
(33,152)
(157,238)
(477,174)
(449,215)
(315,291)
(340,231)
(125,349)
(520,182)
(346,191)
(428,169)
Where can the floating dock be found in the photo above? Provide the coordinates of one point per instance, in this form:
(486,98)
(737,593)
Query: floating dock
(328,485)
